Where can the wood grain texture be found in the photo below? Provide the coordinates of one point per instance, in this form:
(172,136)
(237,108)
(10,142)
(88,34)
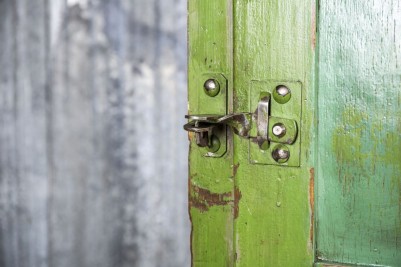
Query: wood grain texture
(211,181)
(92,156)
(358,174)
(274,40)
(245,214)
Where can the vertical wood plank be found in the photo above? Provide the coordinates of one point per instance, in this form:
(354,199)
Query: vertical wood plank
(359,182)
(211,185)
(274,41)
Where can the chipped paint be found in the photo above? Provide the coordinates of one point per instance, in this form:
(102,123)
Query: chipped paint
(235,169)
(191,219)
(313,25)
(211,197)
(202,199)
(237,198)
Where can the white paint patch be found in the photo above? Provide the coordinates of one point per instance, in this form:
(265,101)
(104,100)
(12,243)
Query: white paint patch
(82,3)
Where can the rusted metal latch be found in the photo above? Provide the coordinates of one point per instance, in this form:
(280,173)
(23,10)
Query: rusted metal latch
(267,128)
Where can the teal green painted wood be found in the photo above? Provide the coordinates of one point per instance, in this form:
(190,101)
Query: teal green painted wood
(322,264)
(359,141)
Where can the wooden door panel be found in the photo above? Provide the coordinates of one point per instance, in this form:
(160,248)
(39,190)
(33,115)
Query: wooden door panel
(248,212)
(211,186)
(274,41)
(359,140)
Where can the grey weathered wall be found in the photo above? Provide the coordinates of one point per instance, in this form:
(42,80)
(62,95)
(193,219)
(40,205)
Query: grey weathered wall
(92,153)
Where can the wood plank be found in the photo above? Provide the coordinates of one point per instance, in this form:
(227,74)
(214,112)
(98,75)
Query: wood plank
(211,186)
(274,40)
(358,175)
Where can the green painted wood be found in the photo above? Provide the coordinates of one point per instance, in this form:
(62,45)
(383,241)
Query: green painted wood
(211,197)
(359,156)
(274,40)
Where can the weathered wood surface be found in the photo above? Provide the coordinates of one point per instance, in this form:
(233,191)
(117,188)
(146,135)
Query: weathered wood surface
(247,214)
(359,155)
(274,41)
(92,155)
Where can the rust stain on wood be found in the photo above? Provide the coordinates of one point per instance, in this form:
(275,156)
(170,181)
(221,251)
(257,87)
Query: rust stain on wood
(190,136)
(237,198)
(202,199)
(312,202)
(190,220)
(313,25)
(235,169)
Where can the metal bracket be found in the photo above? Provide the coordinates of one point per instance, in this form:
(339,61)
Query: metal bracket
(268,128)
(271,125)
(284,135)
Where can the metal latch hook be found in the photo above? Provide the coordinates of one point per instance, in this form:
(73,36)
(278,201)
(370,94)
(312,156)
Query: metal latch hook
(203,125)
(283,131)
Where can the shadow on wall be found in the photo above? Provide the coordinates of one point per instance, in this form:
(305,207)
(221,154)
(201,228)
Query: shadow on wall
(93,158)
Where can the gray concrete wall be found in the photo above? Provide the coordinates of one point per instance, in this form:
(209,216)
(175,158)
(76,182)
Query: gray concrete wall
(93,158)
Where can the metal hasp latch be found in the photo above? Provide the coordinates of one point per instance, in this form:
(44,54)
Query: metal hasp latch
(260,127)
(284,131)
(204,125)
(271,124)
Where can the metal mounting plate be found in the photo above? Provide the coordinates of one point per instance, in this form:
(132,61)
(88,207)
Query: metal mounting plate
(291,110)
(214,105)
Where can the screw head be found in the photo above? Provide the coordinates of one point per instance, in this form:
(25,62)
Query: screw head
(214,145)
(211,87)
(282,90)
(279,130)
(282,94)
(281,154)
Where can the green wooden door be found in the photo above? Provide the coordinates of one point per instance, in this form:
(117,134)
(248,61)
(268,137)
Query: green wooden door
(336,199)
